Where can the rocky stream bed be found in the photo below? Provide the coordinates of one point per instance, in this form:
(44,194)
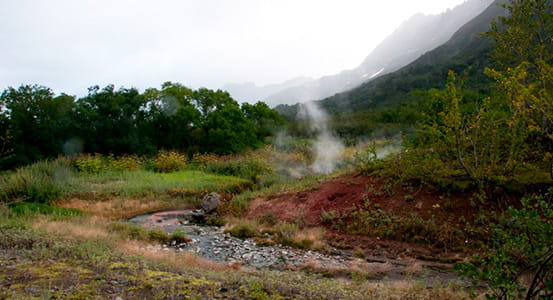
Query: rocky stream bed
(212,243)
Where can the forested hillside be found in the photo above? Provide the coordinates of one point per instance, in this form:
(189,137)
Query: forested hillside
(393,98)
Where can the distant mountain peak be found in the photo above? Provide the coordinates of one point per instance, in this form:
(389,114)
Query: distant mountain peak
(413,37)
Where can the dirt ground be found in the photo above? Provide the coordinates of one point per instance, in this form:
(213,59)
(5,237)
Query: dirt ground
(350,191)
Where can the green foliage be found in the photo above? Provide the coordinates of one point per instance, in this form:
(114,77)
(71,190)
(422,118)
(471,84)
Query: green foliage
(123,163)
(266,120)
(178,237)
(485,141)
(371,220)
(473,137)
(132,231)
(32,209)
(96,163)
(285,234)
(89,163)
(519,259)
(110,121)
(366,160)
(143,183)
(250,168)
(169,161)
(35,124)
(41,182)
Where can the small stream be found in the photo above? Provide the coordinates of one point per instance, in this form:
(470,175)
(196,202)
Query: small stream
(214,244)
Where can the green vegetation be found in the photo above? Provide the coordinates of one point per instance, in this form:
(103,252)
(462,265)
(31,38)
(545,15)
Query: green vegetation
(33,209)
(486,135)
(41,182)
(35,124)
(47,181)
(40,263)
(518,263)
(132,231)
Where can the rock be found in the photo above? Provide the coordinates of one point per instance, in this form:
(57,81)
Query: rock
(211,202)
(195,216)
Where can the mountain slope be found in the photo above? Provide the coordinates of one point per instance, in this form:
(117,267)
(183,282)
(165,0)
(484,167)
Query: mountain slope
(249,92)
(465,52)
(414,37)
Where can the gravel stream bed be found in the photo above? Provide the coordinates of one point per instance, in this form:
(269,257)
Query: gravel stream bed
(213,243)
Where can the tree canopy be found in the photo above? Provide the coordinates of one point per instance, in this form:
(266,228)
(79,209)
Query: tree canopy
(36,124)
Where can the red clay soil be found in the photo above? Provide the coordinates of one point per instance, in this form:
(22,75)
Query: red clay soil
(350,191)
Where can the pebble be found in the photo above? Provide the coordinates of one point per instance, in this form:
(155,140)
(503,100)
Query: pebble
(214,244)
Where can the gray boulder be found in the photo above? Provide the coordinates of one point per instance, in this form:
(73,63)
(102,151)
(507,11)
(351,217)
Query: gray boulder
(211,202)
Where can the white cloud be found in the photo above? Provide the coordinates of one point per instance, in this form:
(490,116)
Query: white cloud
(69,45)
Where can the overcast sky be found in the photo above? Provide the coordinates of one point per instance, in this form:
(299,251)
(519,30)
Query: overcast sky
(69,45)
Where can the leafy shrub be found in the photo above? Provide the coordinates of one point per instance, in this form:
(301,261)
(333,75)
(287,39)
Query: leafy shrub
(202,160)
(157,235)
(366,160)
(248,167)
(123,163)
(519,260)
(89,163)
(169,161)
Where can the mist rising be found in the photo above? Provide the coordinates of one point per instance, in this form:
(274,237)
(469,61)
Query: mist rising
(328,148)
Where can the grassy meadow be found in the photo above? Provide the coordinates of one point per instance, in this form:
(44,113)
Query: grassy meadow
(63,233)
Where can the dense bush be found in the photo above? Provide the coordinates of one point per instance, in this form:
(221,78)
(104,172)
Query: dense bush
(169,161)
(89,163)
(519,260)
(250,166)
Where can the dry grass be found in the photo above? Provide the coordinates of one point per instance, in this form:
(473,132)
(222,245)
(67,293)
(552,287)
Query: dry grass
(314,236)
(85,228)
(176,259)
(413,269)
(117,208)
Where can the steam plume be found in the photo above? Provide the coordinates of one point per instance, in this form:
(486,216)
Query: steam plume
(328,148)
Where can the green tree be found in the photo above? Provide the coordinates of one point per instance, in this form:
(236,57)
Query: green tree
(207,100)
(108,121)
(523,73)
(35,123)
(227,130)
(6,149)
(266,120)
(171,112)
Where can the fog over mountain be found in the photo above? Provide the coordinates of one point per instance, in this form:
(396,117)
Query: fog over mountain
(414,37)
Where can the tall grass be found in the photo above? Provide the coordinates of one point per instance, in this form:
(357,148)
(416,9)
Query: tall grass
(145,183)
(41,182)
(46,181)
